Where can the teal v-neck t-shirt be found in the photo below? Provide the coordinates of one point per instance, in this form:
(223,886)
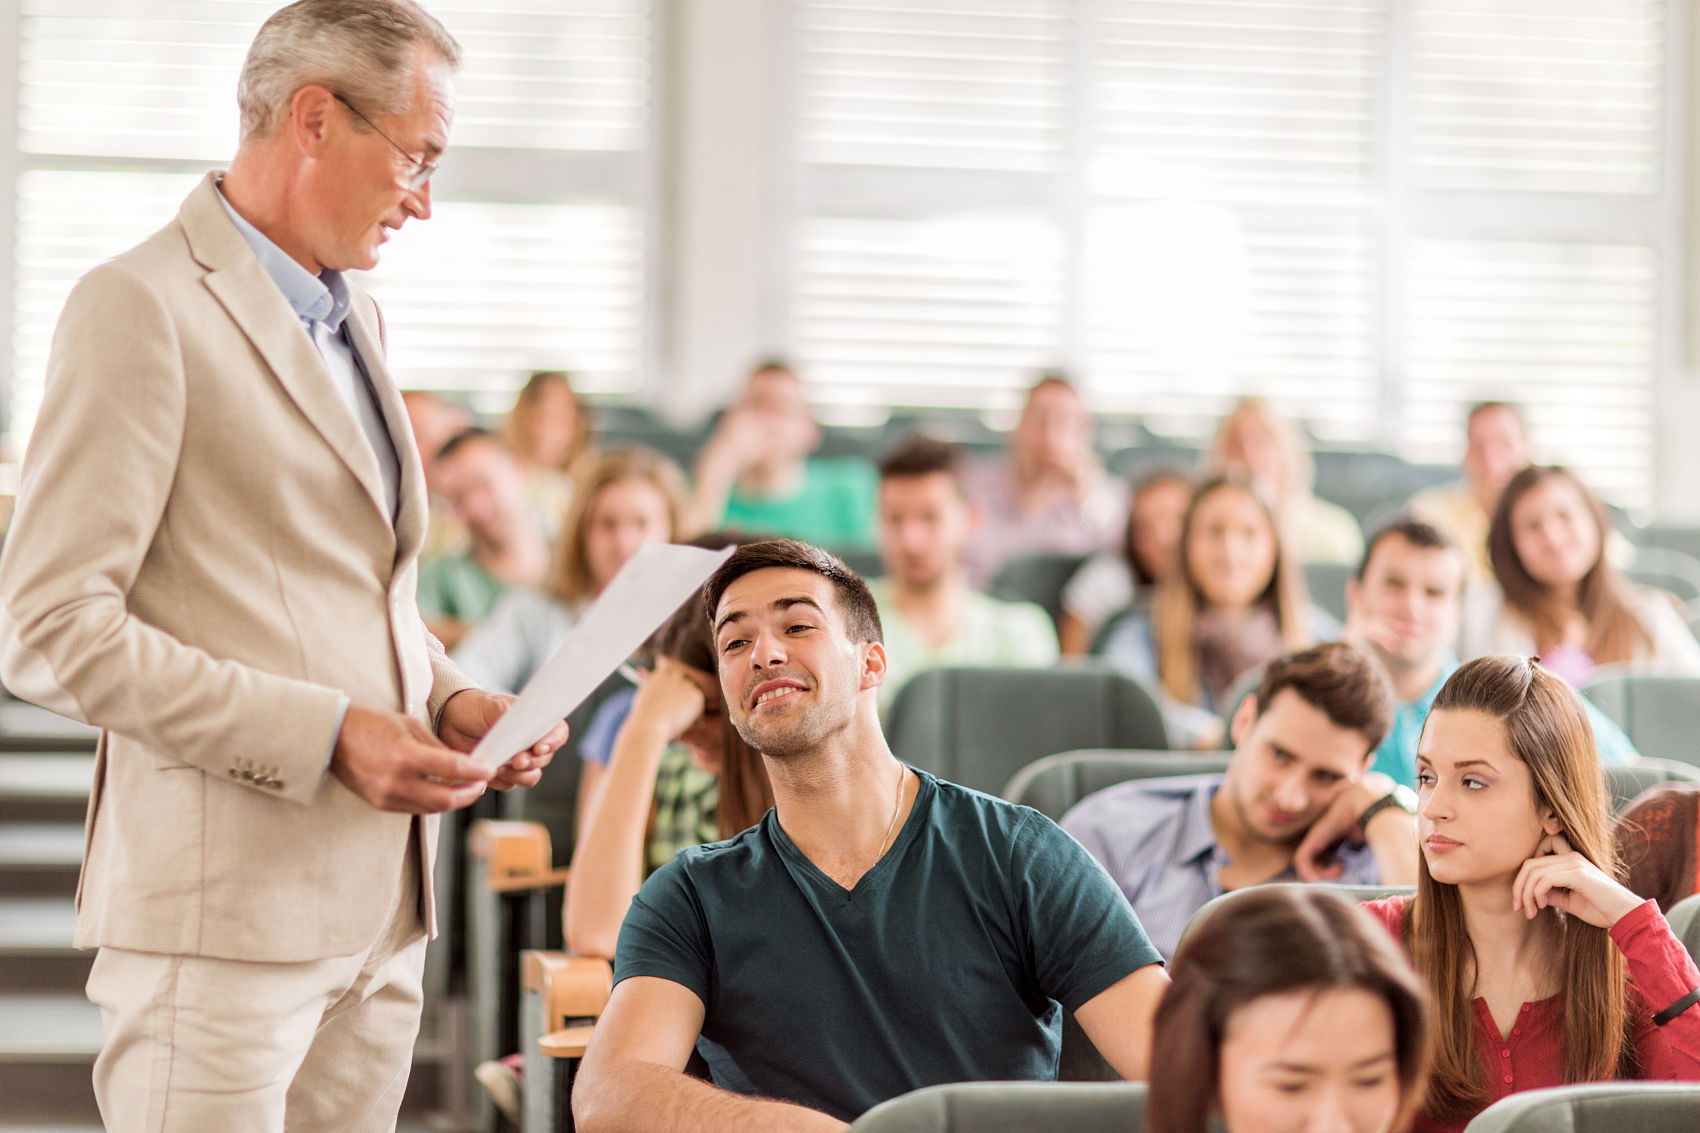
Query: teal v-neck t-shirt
(945,963)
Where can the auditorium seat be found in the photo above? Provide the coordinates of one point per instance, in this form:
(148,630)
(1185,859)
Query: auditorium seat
(1660,714)
(1038,578)
(1325,583)
(1624,781)
(1620,1107)
(563,995)
(1676,572)
(510,873)
(1053,784)
(1011,1107)
(1684,920)
(1358,893)
(979,726)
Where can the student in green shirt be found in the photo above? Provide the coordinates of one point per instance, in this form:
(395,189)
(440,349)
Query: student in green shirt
(485,485)
(755,472)
(932,617)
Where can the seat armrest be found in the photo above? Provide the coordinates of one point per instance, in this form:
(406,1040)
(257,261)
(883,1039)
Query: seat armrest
(516,855)
(570,988)
(569,1042)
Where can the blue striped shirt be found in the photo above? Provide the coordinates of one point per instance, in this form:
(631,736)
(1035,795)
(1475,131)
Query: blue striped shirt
(1155,838)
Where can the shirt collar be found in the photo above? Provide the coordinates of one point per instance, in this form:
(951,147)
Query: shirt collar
(323,298)
(1197,836)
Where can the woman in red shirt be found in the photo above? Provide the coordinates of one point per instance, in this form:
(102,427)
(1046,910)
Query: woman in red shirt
(1546,970)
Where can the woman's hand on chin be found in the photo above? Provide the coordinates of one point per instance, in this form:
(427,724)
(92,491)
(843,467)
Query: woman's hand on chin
(1558,877)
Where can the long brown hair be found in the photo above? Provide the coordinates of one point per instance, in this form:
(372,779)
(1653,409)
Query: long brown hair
(518,427)
(569,580)
(1275,940)
(1614,632)
(745,794)
(1547,728)
(1179,599)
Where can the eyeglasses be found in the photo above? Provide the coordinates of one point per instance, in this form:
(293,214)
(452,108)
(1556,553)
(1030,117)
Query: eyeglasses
(423,171)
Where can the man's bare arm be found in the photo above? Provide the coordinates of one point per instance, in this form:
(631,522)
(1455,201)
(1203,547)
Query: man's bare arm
(633,1078)
(1118,1020)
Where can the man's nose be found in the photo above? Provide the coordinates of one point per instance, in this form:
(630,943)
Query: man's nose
(768,650)
(1290,794)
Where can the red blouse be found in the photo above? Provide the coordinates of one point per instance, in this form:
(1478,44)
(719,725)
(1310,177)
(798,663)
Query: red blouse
(1532,1055)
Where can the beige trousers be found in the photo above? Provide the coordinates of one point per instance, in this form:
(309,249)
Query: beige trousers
(195,1044)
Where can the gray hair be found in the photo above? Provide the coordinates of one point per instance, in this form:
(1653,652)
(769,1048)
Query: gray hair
(363,50)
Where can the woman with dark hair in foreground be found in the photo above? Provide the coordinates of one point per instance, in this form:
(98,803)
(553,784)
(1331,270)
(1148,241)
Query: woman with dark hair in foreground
(1290,1009)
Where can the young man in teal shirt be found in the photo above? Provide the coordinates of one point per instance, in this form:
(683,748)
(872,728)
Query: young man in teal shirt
(1404,607)
(879,931)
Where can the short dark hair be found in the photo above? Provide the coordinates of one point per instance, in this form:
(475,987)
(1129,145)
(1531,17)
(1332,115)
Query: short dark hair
(1337,680)
(1276,940)
(921,455)
(861,614)
(472,434)
(1423,536)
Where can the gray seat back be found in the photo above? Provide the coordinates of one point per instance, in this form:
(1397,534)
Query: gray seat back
(1357,893)
(1039,579)
(1625,781)
(1011,1107)
(1598,1107)
(1668,569)
(1660,714)
(1053,784)
(1684,920)
(979,726)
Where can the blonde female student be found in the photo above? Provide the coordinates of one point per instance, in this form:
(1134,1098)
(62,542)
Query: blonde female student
(1546,970)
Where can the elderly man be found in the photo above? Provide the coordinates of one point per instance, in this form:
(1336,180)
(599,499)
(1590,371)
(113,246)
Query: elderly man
(221,575)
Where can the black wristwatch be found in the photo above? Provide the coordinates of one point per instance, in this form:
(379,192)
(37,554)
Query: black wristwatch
(1400,796)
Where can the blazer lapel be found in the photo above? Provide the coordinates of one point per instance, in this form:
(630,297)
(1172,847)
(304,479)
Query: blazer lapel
(256,306)
(412,505)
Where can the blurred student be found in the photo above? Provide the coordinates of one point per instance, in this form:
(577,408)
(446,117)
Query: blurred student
(1404,607)
(1290,1011)
(1559,597)
(1234,603)
(932,616)
(1049,492)
(1497,449)
(1111,581)
(484,485)
(549,428)
(1546,970)
(630,497)
(1297,802)
(1257,444)
(433,420)
(1658,841)
(755,472)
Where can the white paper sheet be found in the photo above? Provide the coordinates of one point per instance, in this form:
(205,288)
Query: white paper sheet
(645,592)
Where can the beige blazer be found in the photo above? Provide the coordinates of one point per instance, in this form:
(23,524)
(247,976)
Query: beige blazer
(202,564)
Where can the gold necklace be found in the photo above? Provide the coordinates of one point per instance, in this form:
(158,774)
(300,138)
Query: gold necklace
(897,806)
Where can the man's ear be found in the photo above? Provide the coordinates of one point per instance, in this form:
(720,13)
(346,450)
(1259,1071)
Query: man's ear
(310,109)
(1244,716)
(873,666)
